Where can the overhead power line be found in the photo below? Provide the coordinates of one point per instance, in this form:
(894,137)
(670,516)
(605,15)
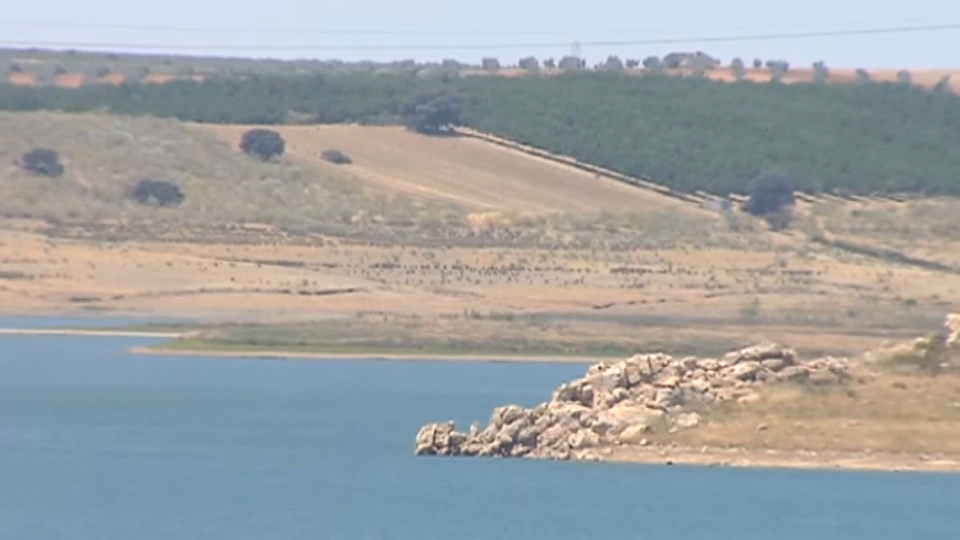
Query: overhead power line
(302,31)
(488,46)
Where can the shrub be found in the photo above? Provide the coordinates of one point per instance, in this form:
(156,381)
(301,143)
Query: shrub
(264,144)
(613,63)
(42,161)
(529,63)
(336,157)
(904,77)
(770,192)
(863,76)
(159,192)
(490,64)
(652,64)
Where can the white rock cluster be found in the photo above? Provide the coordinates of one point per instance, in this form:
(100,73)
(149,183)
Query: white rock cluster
(618,403)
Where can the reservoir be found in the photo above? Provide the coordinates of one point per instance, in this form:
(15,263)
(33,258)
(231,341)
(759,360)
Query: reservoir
(99,444)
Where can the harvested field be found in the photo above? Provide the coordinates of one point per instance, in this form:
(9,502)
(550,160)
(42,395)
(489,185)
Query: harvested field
(462,170)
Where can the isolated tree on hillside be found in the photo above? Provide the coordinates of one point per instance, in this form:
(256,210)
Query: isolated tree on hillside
(863,76)
(653,64)
(42,161)
(757,63)
(632,63)
(572,63)
(490,64)
(158,192)
(904,77)
(738,69)
(613,63)
(264,144)
(550,63)
(770,192)
(336,157)
(529,63)
(433,112)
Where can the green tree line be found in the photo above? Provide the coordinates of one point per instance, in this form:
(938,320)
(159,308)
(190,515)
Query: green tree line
(688,133)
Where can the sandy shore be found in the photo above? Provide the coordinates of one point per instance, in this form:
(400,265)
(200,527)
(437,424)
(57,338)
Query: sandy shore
(85,332)
(784,459)
(409,357)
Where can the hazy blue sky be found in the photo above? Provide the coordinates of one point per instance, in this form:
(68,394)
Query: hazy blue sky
(268,27)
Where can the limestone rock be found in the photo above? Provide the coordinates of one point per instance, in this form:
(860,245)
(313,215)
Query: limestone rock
(687,420)
(617,403)
(746,371)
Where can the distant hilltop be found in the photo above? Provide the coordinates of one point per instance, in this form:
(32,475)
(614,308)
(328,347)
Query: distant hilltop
(72,69)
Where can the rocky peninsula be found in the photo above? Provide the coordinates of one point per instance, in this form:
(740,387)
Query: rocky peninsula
(621,405)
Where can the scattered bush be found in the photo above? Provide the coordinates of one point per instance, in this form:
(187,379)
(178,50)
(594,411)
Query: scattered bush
(757,63)
(42,161)
(16,68)
(863,76)
(572,63)
(490,64)
(158,192)
(264,144)
(632,63)
(529,63)
(336,157)
(613,63)
(770,192)
(904,77)
(550,63)
(652,64)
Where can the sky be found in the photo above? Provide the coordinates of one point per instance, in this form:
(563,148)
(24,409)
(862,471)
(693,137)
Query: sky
(431,30)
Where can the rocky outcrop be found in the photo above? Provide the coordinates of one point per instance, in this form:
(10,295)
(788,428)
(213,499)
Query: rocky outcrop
(618,403)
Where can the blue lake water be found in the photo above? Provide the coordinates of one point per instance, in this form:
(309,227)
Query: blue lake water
(96,444)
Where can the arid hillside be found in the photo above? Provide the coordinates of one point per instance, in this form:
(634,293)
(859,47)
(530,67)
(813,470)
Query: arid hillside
(446,244)
(461,170)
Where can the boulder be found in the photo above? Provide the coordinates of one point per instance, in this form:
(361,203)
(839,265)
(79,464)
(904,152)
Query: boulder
(634,434)
(746,371)
(686,420)
(794,374)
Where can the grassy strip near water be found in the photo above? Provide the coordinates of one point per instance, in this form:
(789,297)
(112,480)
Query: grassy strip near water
(411,350)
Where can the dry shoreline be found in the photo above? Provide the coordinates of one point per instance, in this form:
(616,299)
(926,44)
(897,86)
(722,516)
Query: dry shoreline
(85,332)
(780,459)
(405,357)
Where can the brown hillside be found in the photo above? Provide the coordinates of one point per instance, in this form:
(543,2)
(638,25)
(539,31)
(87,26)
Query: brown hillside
(461,170)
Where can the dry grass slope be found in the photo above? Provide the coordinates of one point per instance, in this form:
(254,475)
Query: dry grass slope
(463,170)
(105,155)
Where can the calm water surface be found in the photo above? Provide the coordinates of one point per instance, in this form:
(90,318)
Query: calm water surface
(96,444)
